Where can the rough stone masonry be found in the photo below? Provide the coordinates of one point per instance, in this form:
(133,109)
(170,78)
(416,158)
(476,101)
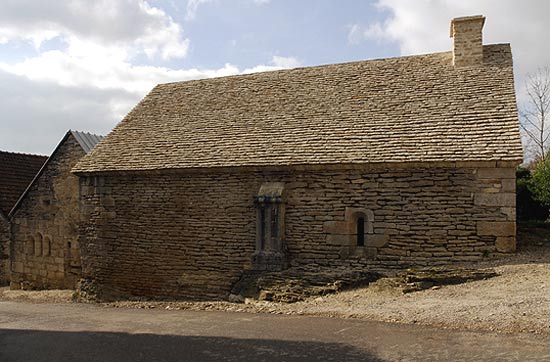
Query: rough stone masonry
(4,250)
(191,236)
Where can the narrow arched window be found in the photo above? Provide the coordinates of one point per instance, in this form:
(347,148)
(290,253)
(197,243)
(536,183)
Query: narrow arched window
(360,231)
(30,246)
(47,246)
(270,253)
(38,245)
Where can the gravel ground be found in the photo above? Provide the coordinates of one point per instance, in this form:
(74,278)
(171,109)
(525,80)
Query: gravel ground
(36,296)
(518,300)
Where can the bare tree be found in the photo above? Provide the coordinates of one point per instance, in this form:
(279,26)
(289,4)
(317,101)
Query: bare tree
(534,114)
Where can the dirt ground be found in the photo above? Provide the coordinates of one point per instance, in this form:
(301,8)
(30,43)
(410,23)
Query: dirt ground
(517,300)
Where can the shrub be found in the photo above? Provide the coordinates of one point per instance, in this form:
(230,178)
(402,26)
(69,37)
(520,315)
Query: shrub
(527,206)
(540,183)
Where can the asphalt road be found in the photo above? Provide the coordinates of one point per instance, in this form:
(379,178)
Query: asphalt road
(81,332)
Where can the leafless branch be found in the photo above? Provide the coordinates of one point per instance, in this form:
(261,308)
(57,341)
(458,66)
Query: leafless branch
(534,115)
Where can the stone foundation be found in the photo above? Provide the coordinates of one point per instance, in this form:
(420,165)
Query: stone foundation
(192,236)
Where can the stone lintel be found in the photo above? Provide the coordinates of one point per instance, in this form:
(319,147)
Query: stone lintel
(510,164)
(495,199)
(496,173)
(496,228)
(474,164)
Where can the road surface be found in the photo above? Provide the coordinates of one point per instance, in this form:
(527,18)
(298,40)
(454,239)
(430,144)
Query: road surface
(84,332)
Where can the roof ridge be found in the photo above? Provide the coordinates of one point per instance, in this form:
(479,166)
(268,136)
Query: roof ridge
(23,154)
(318,66)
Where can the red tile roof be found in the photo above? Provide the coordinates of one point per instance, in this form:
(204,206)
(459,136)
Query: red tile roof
(16,172)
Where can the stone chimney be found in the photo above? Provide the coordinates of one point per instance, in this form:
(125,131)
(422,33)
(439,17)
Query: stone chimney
(468,43)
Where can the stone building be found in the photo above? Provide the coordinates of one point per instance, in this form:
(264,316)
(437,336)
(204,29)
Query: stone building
(44,221)
(388,163)
(16,172)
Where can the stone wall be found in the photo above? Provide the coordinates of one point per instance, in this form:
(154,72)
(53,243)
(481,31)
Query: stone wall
(4,251)
(191,236)
(45,226)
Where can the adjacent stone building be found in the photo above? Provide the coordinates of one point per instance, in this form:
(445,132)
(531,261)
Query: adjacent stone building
(4,250)
(388,163)
(44,221)
(16,172)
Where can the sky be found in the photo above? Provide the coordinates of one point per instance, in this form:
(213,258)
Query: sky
(83,64)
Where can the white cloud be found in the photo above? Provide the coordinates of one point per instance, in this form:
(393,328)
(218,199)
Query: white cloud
(47,95)
(83,89)
(192,7)
(107,68)
(133,25)
(359,32)
(104,71)
(423,27)
(261,2)
(97,54)
(37,114)
(277,63)
(91,81)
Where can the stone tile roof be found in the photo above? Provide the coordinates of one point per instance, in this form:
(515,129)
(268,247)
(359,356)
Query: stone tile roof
(16,172)
(404,109)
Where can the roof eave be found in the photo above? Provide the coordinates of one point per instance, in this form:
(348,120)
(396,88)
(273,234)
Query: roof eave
(308,167)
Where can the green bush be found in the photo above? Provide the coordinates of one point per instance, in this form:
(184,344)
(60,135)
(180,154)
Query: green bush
(527,206)
(540,182)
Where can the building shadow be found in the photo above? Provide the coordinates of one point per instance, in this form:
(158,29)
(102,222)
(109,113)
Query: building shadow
(50,346)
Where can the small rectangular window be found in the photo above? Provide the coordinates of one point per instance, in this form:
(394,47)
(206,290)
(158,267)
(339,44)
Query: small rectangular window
(360,231)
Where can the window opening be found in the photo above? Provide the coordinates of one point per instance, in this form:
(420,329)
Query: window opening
(275,221)
(361,231)
(30,246)
(262,224)
(38,245)
(46,248)
(270,253)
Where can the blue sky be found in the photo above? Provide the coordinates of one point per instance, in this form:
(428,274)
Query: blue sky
(248,33)
(84,64)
